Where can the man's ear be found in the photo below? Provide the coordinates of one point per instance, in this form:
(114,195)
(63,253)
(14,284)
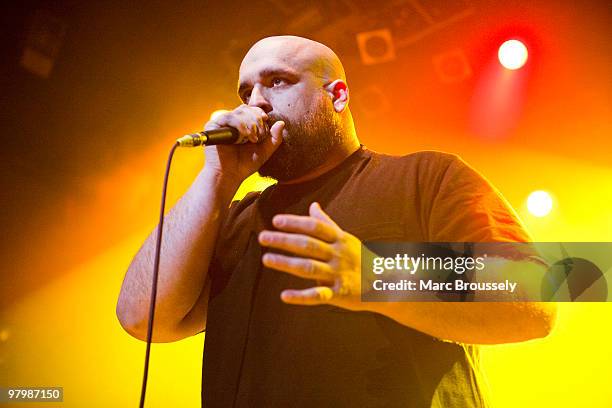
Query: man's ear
(339,92)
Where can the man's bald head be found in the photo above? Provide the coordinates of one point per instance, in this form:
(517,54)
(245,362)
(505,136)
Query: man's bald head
(298,53)
(302,83)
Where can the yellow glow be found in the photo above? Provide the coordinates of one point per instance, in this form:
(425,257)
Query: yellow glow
(539,203)
(512,54)
(67,330)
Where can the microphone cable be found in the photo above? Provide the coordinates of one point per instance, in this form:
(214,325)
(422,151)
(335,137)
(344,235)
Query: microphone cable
(212,137)
(160,228)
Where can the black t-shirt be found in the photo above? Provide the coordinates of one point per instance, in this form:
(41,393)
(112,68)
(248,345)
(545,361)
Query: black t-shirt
(261,352)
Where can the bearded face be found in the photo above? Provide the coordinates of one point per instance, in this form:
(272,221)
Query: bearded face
(307,142)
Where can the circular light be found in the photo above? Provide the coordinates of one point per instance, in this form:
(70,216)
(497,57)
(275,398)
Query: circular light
(4,334)
(539,203)
(512,54)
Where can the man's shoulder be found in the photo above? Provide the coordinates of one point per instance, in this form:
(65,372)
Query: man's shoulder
(417,156)
(424,160)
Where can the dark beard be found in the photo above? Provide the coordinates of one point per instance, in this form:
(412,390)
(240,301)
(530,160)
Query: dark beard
(306,146)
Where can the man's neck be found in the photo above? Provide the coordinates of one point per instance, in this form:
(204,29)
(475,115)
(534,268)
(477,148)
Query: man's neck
(336,157)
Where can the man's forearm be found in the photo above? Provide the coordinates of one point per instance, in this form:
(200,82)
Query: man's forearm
(480,322)
(190,231)
(475,323)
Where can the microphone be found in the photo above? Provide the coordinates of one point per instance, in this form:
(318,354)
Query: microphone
(225,135)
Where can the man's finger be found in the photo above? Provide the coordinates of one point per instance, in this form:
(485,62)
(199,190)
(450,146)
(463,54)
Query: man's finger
(276,131)
(270,144)
(262,127)
(297,244)
(303,224)
(253,133)
(300,267)
(311,296)
(317,212)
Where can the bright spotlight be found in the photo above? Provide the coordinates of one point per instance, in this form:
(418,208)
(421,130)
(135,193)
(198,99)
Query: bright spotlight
(539,203)
(512,54)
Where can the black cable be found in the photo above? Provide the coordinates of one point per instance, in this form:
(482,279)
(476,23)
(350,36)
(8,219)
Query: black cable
(160,228)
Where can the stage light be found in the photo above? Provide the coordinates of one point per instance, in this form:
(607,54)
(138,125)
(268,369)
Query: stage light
(4,335)
(375,103)
(43,41)
(452,66)
(376,47)
(512,54)
(539,203)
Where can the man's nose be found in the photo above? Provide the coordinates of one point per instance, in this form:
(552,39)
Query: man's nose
(257,99)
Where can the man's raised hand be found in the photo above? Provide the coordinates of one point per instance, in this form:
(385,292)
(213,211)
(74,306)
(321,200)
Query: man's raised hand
(237,162)
(323,252)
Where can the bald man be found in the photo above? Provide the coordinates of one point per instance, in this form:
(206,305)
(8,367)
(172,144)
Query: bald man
(275,277)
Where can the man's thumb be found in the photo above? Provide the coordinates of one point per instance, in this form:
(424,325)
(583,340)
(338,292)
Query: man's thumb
(270,144)
(276,132)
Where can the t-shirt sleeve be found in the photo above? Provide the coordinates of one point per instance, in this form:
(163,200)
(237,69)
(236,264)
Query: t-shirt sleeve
(465,207)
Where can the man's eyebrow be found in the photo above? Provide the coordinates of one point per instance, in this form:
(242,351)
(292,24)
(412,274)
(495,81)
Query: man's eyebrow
(266,73)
